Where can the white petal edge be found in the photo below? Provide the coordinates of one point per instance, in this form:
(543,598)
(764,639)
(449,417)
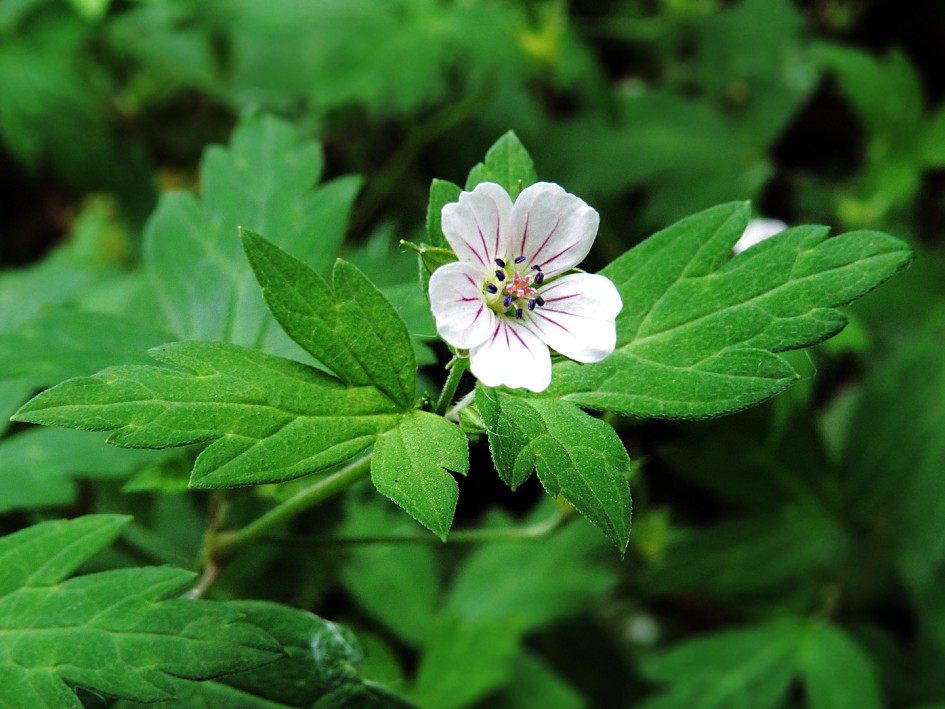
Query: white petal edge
(552,228)
(462,317)
(577,319)
(512,356)
(477,226)
(757,231)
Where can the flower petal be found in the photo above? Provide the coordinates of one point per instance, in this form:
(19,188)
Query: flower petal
(577,318)
(757,231)
(476,226)
(552,228)
(512,355)
(456,298)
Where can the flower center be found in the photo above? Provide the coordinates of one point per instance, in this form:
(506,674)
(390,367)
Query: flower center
(513,296)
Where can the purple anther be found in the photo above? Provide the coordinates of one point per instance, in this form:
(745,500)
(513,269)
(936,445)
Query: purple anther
(536,267)
(500,263)
(539,278)
(531,304)
(500,274)
(518,313)
(508,300)
(519,259)
(540,300)
(492,288)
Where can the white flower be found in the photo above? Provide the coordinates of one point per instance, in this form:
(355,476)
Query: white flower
(505,300)
(757,231)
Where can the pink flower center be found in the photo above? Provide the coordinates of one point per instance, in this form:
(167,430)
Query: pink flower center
(519,287)
(506,296)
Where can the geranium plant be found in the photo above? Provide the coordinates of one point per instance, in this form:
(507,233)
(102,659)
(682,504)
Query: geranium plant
(299,388)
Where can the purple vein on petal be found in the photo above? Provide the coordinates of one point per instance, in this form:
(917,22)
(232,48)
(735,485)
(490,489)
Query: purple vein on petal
(517,337)
(521,249)
(496,252)
(560,253)
(482,239)
(545,242)
(553,322)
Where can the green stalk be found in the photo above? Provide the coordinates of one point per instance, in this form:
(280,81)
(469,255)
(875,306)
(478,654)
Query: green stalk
(314,494)
(460,365)
(467,536)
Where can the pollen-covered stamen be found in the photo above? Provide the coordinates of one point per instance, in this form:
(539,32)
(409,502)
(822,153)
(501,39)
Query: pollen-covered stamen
(520,286)
(514,292)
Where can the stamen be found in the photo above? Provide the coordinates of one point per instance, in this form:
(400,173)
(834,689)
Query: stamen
(519,259)
(539,278)
(518,313)
(531,304)
(540,300)
(500,274)
(536,267)
(500,263)
(508,300)
(492,288)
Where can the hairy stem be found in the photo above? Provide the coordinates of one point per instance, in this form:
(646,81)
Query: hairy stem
(466,536)
(458,368)
(314,494)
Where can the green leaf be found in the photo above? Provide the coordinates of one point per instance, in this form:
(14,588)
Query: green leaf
(836,672)
(317,669)
(933,148)
(895,454)
(470,651)
(349,327)
(886,92)
(736,669)
(268,419)
(398,585)
(753,668)
(508,164)
(745,558)
(699,329)
(114,632)
(263,182)
(91,9)
(574,454)
(64,343)
(39,466)
(442,192)
(464,659)
(411,464)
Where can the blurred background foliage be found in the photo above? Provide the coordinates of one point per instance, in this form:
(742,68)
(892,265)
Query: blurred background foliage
(791,555)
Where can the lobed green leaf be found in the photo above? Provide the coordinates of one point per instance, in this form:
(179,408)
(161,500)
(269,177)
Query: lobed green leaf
(575,455)
(699,330)
(115,632)
(263,181)
(508,164)
(411,466)
(442,192)
(350,327)
(267,419)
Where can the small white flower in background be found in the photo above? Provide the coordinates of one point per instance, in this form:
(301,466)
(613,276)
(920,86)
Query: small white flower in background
(757,231)
(506,301)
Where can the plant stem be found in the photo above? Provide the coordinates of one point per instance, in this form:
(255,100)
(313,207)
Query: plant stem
(460,365)
(314,494)
(467,536)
